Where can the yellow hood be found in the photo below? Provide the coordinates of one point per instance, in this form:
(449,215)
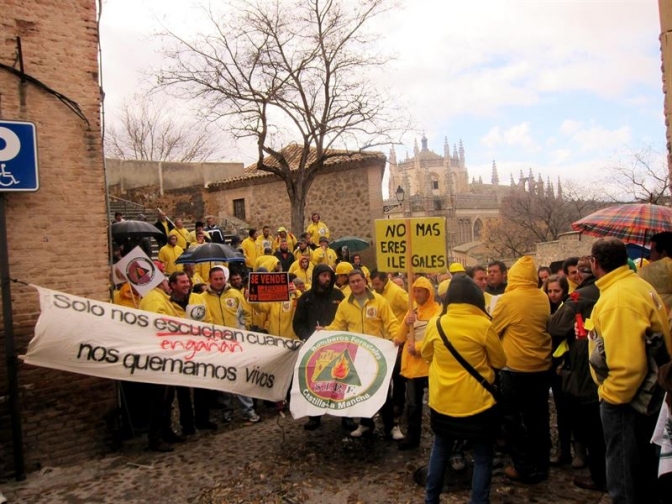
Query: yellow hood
(423,283)
(522,274)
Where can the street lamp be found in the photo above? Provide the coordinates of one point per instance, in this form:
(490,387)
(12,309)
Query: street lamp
(399,194)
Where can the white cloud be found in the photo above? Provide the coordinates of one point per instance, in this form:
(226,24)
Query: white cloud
(569,126)
(515,136)
(600,139)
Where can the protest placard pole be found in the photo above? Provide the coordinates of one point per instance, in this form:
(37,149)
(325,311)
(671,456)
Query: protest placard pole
(409,276)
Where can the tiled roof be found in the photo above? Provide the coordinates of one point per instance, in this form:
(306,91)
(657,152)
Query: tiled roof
(292,154)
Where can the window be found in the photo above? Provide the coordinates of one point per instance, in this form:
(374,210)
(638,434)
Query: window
(239,208)
(435,184)
(437,204)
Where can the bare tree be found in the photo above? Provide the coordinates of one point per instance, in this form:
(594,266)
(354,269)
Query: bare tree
(643,176)
(527,217)
(281,72)
(148,132)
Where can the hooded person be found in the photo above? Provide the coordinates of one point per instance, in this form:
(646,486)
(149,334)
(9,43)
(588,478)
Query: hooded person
(317,308)
(519,318)
(413,366)
(303,269)
(460,407)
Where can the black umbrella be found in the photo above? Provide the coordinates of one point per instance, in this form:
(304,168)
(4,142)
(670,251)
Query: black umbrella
(210,252)
(134,228)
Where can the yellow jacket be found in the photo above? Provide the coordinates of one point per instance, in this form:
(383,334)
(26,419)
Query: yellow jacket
(626,309)
(228,308)
(264,242)
(125,296)
(398,299)
(308,253)
(375,318)
(158,301)
(304,274)
(659,275)
(168,255)
(520,318)
(345,290)
(194,241)
(250,251)
(324,256)
(182,237)
(268,262)
(414,366)
(290,239)
(280,315)
(452,390)
(317,230)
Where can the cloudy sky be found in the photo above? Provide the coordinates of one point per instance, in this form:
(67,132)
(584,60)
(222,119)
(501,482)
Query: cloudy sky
(567,88)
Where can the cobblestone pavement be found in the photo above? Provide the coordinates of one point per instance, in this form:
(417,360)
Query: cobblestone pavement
(274,461)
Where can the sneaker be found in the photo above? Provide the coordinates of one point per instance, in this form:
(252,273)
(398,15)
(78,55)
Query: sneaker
(396,433)
(312,423)
(360,431)
(252,417)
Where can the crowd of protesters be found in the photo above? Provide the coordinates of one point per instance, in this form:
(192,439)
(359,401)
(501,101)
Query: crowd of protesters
(491,344)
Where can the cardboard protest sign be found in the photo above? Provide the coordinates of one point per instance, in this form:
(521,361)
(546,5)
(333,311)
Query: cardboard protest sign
(416,245)
(138,270)
(342,374)
(268,287)
(109,341)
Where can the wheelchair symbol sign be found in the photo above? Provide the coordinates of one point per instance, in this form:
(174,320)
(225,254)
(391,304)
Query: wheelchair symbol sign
(18,157)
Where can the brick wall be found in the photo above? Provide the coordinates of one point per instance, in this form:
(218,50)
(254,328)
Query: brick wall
(58,235)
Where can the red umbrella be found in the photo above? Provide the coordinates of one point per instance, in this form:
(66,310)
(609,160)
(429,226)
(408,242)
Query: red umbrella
(632,223)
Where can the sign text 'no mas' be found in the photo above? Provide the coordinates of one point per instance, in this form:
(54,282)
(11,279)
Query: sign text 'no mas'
(424,239)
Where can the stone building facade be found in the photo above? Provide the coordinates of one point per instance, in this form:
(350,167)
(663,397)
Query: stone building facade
(436,185)
(347,194)
(665,10)
(57,236)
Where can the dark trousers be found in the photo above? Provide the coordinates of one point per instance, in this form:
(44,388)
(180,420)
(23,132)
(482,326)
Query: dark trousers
(200,408)
(386,414)
(526,420)
(156,399)
(562,414)
(415,389)
(587,427)
(398,383)
(632,461)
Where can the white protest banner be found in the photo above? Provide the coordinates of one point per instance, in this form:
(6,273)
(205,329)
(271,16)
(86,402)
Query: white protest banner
(100,339)
(138,270)
(342,374)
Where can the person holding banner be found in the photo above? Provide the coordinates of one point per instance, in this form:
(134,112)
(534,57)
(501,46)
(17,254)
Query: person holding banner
(461,405)
(314,309)
(413,367)
(228,307)
(367,312)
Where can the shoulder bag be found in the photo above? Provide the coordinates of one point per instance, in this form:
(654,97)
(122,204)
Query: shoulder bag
(468,367)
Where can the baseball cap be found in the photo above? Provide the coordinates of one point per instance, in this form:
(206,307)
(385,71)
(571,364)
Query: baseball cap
(281,229)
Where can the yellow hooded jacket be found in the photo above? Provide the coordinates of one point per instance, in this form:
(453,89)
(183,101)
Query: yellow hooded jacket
(250,251)
(317,230)
(626,309)
(168,255)
(304,274)
(452,390)
(375,318)
(158,301)
(182,237)
(414,366)
(280,316)
(398,299)
(520,318)
(228,308)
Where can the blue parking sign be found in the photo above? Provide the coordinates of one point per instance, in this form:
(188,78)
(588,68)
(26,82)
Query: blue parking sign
(18,157)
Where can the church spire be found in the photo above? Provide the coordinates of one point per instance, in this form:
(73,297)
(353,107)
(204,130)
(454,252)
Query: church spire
(393,156)
(494,179)
(513,183)
(415,147)
(424,141)
(461,151)
(559,192)
(446,150)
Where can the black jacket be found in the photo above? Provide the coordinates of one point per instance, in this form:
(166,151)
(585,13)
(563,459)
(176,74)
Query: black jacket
(162,240)
(316,307)
(576,378)
(286,260)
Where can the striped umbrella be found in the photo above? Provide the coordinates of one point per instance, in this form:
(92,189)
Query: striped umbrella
(632,223)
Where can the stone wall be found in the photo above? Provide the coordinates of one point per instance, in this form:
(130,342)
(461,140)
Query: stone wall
(129,175)
(359,201)
(568,245)
(57,236)
(665,9)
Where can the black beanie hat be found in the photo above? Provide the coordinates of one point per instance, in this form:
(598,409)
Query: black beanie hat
(463,289)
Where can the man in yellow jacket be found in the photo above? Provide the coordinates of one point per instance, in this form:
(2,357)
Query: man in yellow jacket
(343,269)
(317,229)
(249,247)
(280,314)
(324,255)
(628,309)
(520,318)
(229,308)
(182,234)
(367,312)
(303,269)
(413,367)
(169,254)
(398,299)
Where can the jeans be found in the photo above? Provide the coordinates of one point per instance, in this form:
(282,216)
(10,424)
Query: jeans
(526,421)
(587,426)
(415,390)
(632,461)
(247,403)
(480,481)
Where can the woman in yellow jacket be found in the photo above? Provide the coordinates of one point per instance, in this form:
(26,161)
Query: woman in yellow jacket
(413,366)
(460,407)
